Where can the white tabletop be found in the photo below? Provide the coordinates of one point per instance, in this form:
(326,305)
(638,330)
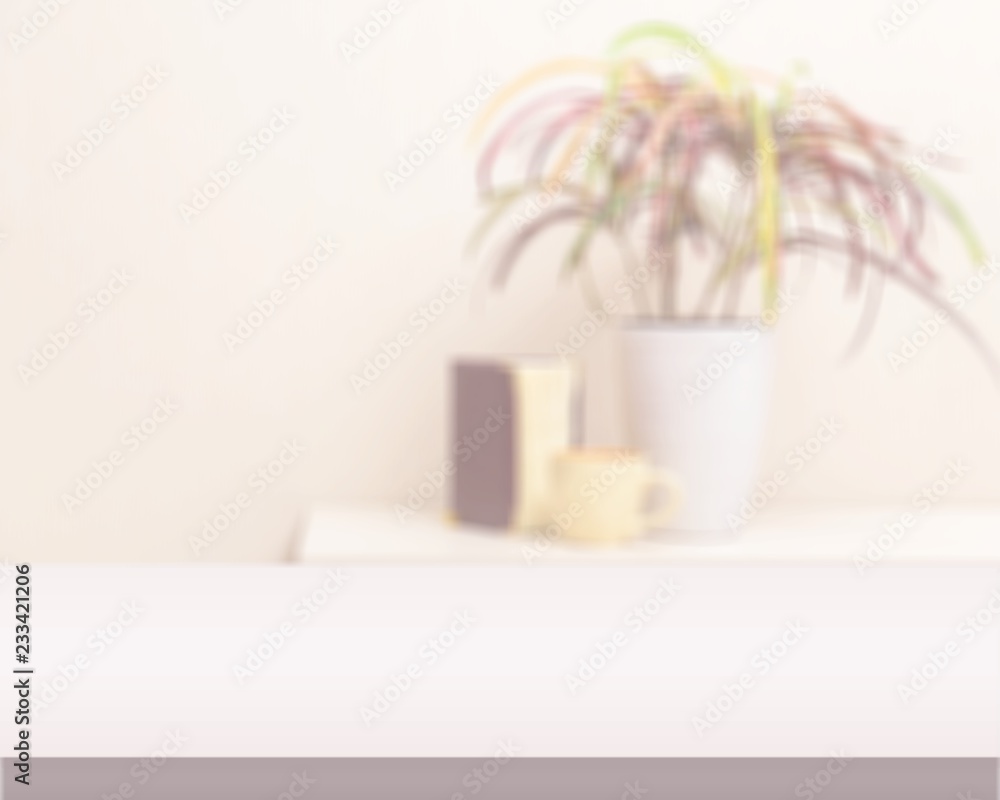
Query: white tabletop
(127,655)
(173,664)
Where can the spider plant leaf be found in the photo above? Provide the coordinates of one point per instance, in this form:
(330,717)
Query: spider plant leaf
(679,39)
(932,298)
(869,312)
(516,123)
(956,217)
(591,226)
(575,145)
(785,95)
(579,118)
(515,247)
(842,209)
(767,214)
(499,203)
(553,69)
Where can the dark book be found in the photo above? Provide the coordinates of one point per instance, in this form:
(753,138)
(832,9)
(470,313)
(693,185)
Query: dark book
(510,418)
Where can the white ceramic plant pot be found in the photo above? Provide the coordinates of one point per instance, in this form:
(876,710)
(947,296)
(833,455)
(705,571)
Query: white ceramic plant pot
(697,396)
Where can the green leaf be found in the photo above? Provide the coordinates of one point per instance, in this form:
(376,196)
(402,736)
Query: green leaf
(679,39)
(957,219)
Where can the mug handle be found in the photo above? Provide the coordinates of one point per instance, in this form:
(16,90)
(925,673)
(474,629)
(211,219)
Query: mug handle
(675,496)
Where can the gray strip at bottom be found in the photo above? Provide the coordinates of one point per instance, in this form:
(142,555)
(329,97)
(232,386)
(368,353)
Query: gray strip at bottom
(517,778)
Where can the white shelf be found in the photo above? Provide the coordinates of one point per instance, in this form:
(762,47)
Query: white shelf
(822,536)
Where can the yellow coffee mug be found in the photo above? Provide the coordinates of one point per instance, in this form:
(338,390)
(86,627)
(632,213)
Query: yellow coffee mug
(600,495)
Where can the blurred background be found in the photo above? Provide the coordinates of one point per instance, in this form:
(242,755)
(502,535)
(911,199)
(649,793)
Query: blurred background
(163,368)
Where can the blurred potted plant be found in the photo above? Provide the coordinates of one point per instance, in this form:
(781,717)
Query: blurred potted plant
(728,173)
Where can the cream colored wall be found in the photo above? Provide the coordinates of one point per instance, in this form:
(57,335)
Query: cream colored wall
(289,386)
